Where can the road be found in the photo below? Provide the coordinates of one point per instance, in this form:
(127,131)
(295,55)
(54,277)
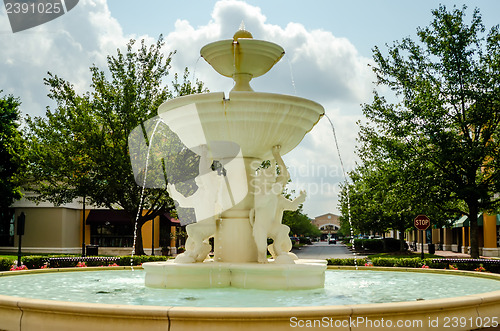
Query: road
(321,250)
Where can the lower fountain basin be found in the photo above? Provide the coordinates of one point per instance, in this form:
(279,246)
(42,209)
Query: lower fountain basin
(304,274)
(126,309)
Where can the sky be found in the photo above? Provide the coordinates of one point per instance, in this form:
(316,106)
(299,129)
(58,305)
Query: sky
(328,46)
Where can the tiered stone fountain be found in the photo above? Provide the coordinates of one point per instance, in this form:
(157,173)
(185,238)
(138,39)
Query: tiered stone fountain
(242,205)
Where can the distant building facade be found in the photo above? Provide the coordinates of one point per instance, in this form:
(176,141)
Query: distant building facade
(329,224)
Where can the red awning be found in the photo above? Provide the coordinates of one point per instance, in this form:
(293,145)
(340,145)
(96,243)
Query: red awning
(171,219)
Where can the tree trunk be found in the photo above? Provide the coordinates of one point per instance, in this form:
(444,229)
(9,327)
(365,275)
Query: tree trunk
(474,243)
(139,249)
(401,235)
(401,241)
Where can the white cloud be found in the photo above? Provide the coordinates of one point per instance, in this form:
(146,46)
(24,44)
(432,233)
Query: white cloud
(339,73)
(66,46)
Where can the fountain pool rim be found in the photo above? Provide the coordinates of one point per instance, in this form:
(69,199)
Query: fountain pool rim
(28,314)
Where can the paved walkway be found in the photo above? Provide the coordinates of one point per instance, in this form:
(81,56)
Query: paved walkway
(451,255)
(321,250)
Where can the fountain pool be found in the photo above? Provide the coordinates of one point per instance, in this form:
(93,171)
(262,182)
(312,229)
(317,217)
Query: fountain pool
(116,298)
(240,204)
(342,287)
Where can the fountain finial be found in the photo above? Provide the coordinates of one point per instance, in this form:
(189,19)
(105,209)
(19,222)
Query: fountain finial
(242,33)
(242,57)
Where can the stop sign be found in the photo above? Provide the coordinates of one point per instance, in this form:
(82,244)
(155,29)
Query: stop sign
(422,222)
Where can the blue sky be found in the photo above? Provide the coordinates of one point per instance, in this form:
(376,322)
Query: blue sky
(365,23)
(328,51)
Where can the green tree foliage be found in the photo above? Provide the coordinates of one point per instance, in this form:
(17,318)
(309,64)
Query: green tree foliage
(447,115)
(80,149)
(300,224)
(12,151)
(387,194)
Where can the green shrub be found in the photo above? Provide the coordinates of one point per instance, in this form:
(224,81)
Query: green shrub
(34,261)
(374,245)
(351,262)
(468,266)
(384,261)
(358,244)
(472,266)
(305,240)
(492,268)
(139,259)
(379,245)
(6,263)
(393,245)
(435,265)
(415,262)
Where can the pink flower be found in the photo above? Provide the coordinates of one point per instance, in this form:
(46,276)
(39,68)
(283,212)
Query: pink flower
(425,267)
(368,264)
(15,268)
(81,265)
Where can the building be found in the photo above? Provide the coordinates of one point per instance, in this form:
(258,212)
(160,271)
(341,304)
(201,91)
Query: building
(329,224)
(50,229)
(457,237)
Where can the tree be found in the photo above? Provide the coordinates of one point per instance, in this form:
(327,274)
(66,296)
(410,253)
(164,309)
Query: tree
(81,148)
(12,150)
(12,153)
(299,223)
(448,115)
(387,194)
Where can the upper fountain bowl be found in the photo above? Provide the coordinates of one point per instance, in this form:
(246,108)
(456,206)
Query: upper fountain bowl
(242,58)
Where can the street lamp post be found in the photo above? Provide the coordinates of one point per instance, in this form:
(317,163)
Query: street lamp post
(83,228)
(21,221)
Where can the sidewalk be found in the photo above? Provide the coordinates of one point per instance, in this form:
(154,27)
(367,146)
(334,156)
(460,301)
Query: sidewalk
(453,255)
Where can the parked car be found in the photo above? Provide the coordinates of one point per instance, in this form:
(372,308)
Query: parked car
(332,241)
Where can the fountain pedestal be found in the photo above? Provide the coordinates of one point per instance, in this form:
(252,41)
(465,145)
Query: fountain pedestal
(304,274)
(230,245)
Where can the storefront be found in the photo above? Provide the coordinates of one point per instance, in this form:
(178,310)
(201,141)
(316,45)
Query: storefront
(51,229)
(456,237)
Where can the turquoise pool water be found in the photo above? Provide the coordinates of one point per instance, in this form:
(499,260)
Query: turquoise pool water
(341,287)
